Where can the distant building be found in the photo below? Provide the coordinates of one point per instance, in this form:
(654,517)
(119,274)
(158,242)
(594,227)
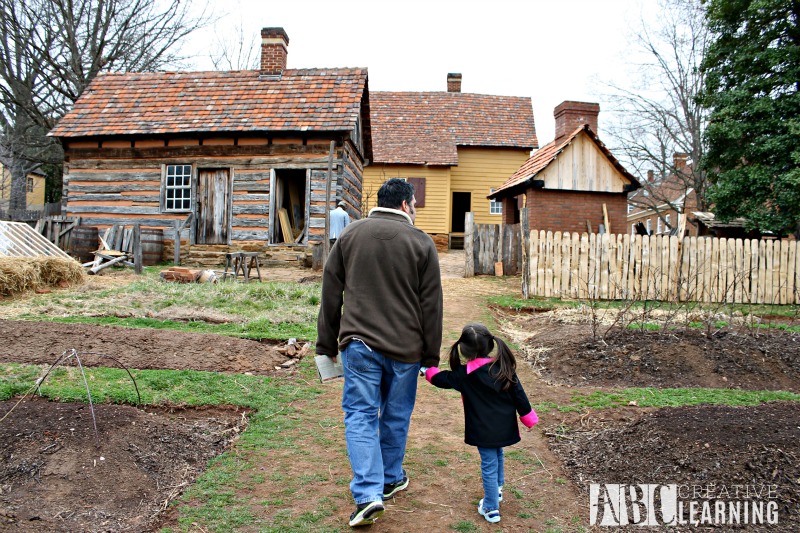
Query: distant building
(573,183)
(34,189)
(455,148)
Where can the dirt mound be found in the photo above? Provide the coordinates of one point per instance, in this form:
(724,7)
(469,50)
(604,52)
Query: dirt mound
(747,454)
(42,342)
(55,475)
(728,358)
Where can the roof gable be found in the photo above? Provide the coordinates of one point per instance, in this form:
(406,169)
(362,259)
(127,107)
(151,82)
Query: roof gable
(527,173)
(427,127)
(205,102)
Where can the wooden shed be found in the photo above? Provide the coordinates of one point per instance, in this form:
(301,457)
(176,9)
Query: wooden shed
(242,156)
(573,183)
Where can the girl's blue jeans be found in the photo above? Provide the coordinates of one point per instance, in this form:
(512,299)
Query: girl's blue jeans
(493,475)
(378,397)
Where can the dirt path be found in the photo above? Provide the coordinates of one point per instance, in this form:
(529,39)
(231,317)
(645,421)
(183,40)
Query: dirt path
(445,477)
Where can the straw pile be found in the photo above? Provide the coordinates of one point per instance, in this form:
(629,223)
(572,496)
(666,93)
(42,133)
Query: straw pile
(21,274)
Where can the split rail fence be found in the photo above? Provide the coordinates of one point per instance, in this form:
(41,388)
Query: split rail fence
(656,267)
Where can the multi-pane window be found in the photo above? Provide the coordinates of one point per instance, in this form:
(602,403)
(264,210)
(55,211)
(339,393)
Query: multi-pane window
(666,220)
(495,206)
(29,185)
(178,188)
(658,225)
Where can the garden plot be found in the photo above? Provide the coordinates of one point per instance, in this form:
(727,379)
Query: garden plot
(740,453)
(55,475)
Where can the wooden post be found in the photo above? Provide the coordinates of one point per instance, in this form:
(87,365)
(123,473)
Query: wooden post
(326,242)
(526,243)
(137,248)
(469,258)
(605,219)
(177,260)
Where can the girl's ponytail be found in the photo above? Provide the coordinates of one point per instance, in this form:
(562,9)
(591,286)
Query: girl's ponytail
(506,364)
(455,357)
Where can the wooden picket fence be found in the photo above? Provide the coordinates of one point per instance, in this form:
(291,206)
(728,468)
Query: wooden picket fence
(705,269)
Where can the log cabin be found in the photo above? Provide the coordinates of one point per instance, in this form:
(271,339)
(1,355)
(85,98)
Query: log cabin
(573,183)
(241,156)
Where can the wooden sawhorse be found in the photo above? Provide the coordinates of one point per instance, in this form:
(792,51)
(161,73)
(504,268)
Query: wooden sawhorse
(241,263)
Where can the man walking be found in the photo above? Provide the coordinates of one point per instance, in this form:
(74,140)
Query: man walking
(339,220)
(386,274)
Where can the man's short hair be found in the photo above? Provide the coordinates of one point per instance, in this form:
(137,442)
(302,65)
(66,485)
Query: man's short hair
(394,192)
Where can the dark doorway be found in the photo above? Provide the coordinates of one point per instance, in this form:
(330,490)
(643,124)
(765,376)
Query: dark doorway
(462,202)
(289,206)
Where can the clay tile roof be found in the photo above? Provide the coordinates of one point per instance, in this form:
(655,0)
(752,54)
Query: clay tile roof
(426,127)
(168,102)
(546,155)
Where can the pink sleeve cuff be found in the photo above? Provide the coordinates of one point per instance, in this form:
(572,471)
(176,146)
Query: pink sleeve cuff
(529,420)
(432,371)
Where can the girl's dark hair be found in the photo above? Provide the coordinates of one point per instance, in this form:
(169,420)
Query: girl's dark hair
(477,341)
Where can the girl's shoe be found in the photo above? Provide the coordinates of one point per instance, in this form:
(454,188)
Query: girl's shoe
(490,516)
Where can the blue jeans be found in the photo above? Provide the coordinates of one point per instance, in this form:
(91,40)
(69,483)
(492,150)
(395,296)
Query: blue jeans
(378,397)
(493,475)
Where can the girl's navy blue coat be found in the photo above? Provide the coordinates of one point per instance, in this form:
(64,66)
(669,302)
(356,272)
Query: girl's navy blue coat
(489,412)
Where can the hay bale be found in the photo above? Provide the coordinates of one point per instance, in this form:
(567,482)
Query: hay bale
(23,274)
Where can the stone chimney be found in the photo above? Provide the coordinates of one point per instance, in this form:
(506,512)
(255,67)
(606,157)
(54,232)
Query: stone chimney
(454,82)
(680,161)
(571,115)
(274,49)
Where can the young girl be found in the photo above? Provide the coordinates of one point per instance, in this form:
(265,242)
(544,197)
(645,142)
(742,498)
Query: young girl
(492,396)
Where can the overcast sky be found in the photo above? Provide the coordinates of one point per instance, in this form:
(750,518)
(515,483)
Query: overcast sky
(549,50)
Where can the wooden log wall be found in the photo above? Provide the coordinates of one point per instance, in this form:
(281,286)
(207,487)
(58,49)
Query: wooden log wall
(123,185)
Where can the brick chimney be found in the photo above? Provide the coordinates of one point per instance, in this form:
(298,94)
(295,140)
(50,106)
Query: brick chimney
(571,115)
(650,176)
(274,44)
(454,82)
(680,161)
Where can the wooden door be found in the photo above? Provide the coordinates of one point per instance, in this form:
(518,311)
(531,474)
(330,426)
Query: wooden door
(213,205)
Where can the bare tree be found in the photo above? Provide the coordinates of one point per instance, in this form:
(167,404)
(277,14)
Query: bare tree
(50,50)
(235,50)
(659,116)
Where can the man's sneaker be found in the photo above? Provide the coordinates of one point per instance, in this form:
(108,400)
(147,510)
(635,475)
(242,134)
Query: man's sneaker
(490,516)
(366,514)
(500,491)
(393,488)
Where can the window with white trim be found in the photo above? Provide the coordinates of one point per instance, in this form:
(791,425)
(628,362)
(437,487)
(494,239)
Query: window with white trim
(658,225)
(633,229)
(178,188)
(648,226)
(495,206)
(630,208)
(29,184)
(667,221)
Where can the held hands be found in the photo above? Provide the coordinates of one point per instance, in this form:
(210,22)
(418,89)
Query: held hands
(422,370)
